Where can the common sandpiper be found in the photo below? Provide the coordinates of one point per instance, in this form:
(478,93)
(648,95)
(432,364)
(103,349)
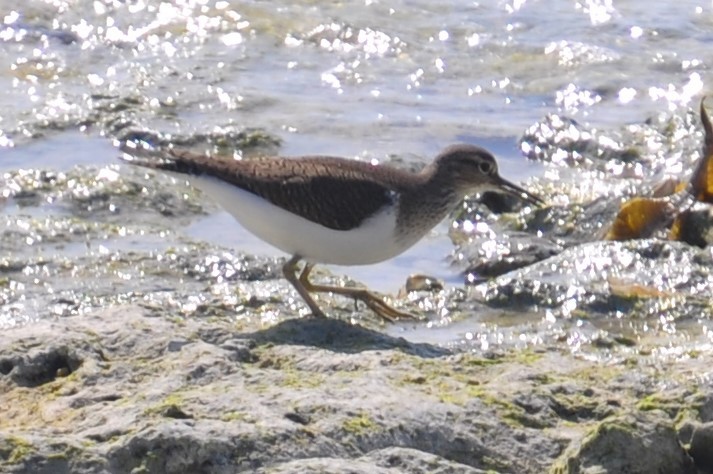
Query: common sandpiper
(322,209)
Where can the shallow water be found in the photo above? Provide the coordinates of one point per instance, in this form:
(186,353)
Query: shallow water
(365,80)
(372,77)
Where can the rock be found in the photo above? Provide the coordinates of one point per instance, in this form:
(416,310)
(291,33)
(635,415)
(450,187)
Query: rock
(159,394)
(700,449)
(641,443)
(131,389)
(38,367)
(484,257)
(392,460)
(695,225)
(420,282)
(608,278)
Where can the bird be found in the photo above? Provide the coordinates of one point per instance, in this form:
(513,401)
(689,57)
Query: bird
(331,210)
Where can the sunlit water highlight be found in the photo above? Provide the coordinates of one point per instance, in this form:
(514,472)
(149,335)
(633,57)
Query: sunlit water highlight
(368,80)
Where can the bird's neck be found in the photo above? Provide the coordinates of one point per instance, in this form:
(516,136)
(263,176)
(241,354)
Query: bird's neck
(424,205)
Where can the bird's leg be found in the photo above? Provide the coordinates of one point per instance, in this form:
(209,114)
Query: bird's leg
(375,303)
(289,269)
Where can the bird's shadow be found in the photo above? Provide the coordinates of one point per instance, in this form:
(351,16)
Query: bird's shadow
(339,336)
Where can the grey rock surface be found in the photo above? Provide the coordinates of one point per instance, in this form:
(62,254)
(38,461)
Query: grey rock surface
(128,390)
(641,443)
(701,444)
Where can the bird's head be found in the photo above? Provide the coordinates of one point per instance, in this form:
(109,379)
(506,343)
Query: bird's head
(472,169)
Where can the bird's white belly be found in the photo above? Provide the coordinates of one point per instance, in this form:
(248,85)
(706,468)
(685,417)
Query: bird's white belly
(374,241)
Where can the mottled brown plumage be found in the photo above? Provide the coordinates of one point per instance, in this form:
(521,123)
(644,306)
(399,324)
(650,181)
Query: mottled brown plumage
(334,192)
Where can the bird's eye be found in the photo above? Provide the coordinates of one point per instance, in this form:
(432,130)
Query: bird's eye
(485,167)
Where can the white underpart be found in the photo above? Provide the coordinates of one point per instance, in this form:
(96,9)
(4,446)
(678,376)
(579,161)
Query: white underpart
(374,241)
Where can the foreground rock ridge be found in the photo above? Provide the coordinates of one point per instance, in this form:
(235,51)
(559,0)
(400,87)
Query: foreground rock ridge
(128,389)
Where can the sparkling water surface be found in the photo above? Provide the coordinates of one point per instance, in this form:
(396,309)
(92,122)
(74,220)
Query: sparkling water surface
(368,80)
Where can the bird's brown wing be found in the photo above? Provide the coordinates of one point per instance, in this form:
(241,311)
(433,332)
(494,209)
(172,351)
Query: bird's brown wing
(330,191)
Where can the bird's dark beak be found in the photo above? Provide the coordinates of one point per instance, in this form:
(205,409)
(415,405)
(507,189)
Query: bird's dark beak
(506,186)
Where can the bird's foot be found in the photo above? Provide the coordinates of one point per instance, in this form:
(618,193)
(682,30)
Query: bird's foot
(305,287)
(381,308)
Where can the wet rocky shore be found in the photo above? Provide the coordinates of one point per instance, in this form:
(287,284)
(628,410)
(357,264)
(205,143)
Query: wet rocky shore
(140,334)
(128,346)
